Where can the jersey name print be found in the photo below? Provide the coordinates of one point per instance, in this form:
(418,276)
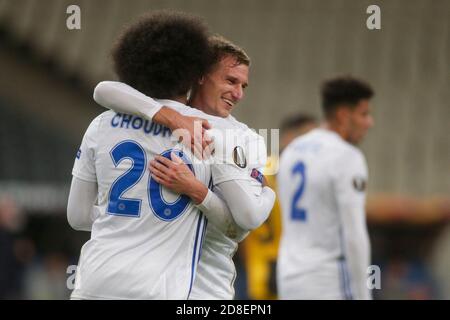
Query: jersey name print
(127,121)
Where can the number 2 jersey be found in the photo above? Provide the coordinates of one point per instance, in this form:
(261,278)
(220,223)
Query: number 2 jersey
(324,251)
(145,241)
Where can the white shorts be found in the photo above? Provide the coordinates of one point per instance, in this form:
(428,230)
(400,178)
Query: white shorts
(330,283)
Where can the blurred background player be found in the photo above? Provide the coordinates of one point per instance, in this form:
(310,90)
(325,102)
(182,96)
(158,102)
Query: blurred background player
(140,249)
(259,251)
(11,266)
(325,250)
(295,126)
(216,93)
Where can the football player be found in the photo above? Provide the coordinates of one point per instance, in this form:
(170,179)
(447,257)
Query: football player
(324,251)
(216,94)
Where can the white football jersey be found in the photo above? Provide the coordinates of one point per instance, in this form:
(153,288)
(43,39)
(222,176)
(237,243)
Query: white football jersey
(145,241)
(321,185)
(216,271)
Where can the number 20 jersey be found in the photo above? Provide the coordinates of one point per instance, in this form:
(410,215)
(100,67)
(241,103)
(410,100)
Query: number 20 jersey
(145,241)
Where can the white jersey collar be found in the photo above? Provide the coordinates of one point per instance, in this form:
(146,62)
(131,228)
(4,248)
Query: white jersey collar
(328,132)
(172,103)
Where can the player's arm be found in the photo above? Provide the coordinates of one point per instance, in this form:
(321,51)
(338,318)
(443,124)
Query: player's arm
(176,176)
(82,197)
(122,98)
(218,212)
(350,193)
(249,201)
(83,190)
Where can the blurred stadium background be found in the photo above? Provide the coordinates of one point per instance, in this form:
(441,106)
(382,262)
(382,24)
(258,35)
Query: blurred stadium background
(47,76)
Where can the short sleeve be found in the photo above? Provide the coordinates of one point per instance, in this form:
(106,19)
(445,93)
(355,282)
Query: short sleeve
(351,180)
(237,152)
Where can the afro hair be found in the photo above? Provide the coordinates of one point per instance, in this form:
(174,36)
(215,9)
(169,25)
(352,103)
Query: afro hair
(163,53)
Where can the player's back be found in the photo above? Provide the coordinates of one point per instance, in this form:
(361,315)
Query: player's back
(145,240)
(311,241)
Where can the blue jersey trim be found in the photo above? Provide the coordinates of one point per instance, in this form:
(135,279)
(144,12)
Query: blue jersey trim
(198,234)
(344,275)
